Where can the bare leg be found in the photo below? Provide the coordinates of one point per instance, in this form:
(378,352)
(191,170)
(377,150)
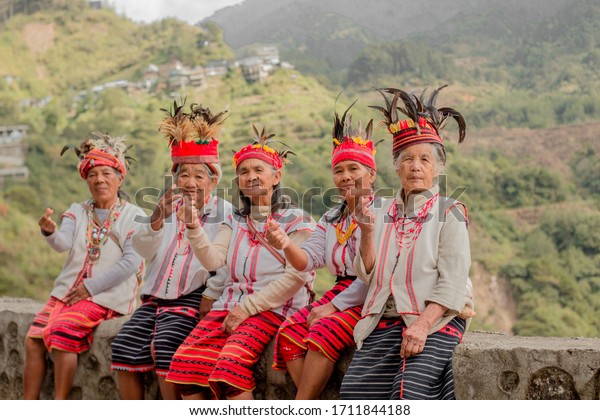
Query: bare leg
(168,390)
(315,375)
(35,368)
(131,385)
(65,366)
(295,368)
(246,395)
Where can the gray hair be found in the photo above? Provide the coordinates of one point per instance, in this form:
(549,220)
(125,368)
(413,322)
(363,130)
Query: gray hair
(213,170)
(439,157)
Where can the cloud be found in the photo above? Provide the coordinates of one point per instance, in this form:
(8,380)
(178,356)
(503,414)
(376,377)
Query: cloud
(150,10)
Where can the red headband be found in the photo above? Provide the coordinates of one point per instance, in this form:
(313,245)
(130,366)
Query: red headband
(355,149)
(407,134)
(97,157)
(257,151)
(192,152)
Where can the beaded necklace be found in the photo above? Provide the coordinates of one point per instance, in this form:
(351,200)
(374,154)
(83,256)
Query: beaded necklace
(405,235)
(342,236)
(253,232)
(97,233)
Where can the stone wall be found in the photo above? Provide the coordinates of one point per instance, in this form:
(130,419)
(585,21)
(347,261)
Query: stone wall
(486,366)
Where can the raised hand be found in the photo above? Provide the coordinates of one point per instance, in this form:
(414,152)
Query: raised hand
(363,215)
(188,213)
(276,236)
(47,225)
(164,208)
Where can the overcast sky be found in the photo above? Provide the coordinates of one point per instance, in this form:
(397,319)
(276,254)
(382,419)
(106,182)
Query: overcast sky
(191,11)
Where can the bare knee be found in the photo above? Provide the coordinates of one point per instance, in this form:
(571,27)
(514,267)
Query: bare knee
(35,347)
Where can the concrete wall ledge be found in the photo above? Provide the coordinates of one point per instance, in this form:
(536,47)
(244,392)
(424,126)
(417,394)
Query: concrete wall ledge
(486,365)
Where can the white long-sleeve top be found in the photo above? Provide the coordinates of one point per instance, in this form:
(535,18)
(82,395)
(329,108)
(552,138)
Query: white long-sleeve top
(431,267)
(258,281)
(173,270)
(112,281)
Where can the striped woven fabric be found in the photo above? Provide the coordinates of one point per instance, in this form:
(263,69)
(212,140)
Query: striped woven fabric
(68,328)
(410,136)
(330,335)
(209,357)
(378,373)
(154,332)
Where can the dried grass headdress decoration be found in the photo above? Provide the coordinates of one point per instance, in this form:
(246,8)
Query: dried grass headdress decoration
(101,150)
(192,136)
(424,120)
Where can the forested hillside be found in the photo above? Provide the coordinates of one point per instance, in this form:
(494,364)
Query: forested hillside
(529,170)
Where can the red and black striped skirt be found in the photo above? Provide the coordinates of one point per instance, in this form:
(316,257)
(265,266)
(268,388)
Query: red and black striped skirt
(330,335)
(210,357)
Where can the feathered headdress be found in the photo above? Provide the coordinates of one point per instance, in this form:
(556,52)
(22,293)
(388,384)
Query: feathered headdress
(207,126)
(352,143)
(424,120)
(101,149)
(192,136)
(260,149)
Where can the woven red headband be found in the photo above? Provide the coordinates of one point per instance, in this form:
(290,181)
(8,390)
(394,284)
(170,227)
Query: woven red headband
(406,134)
(257,151)
(97,157)
(355,149)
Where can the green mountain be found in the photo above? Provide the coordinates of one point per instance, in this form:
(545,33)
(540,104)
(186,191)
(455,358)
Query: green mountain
(324,38)
(528,170)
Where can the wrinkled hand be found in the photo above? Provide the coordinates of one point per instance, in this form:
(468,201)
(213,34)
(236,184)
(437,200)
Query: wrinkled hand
(233,319)
(205,306)
(47,225)
(164,208)
(413,339)
(188,213)
(78,294)
(363,215)
(467,312)
(319,312)
(276,236)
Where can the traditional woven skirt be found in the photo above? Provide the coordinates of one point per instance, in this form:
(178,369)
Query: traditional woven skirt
(210,357)
(377,372)
(68,328)
(330,335)
(154,332)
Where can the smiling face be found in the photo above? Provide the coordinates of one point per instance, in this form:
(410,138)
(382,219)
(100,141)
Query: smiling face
(353,176)
(104,183)
(256,180)
(194,181)
(416,167)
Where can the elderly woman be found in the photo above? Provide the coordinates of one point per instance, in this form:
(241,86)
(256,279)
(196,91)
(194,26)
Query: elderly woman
(414,254)
(311,341)
(178,290)
(218,357)
(98,280)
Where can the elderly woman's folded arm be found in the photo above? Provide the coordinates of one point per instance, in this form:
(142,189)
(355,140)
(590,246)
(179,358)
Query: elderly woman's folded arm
(146,240)
(281,290)
(212,255)
(118,272)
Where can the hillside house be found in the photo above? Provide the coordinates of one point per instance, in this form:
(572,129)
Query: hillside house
(12,153)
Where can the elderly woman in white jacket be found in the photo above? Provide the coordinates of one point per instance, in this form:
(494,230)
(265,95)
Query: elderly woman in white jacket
(415,255)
